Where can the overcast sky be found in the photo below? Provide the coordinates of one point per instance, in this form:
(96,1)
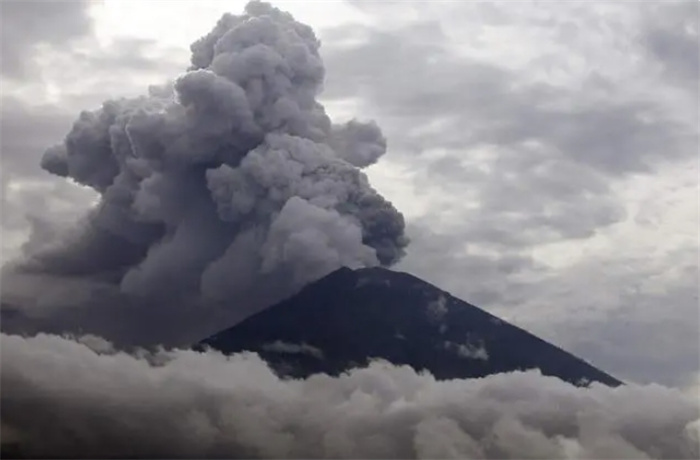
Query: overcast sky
(545,156)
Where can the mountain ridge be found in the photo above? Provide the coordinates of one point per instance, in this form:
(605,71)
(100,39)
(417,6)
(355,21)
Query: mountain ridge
(351,317)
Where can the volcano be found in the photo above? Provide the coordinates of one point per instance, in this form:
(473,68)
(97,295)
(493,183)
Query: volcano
(352,317)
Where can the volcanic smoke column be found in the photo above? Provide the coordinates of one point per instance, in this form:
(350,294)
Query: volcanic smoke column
(232,183)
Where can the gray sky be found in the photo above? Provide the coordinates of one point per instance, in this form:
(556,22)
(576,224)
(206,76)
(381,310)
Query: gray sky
(544,156)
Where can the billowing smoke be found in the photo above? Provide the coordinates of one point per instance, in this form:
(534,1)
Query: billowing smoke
(66,398)
(230,185)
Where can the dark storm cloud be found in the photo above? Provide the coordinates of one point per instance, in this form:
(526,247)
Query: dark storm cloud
(549,152)
(652,336)
(27,24)
(480,104)
(535,162)
(531,163)
(671,36)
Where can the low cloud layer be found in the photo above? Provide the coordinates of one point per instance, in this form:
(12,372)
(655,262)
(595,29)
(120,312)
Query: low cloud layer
(72,398)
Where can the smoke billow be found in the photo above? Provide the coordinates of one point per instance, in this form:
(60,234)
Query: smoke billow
(82,398)
(231,184)
(232,188)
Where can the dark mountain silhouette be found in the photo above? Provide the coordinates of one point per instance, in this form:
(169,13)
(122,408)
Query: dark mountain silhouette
(351,317)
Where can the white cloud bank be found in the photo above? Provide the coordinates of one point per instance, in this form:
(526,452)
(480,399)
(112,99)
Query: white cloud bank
(61,398)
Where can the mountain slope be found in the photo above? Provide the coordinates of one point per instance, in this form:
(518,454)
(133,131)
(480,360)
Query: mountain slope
(350,317)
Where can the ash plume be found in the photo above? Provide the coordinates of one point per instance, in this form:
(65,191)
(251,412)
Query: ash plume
(84,399)
(230,185)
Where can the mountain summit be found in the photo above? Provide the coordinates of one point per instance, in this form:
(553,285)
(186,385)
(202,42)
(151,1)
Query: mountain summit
(351,317)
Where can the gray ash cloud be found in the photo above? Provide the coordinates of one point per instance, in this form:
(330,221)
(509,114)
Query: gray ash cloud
(232,184)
